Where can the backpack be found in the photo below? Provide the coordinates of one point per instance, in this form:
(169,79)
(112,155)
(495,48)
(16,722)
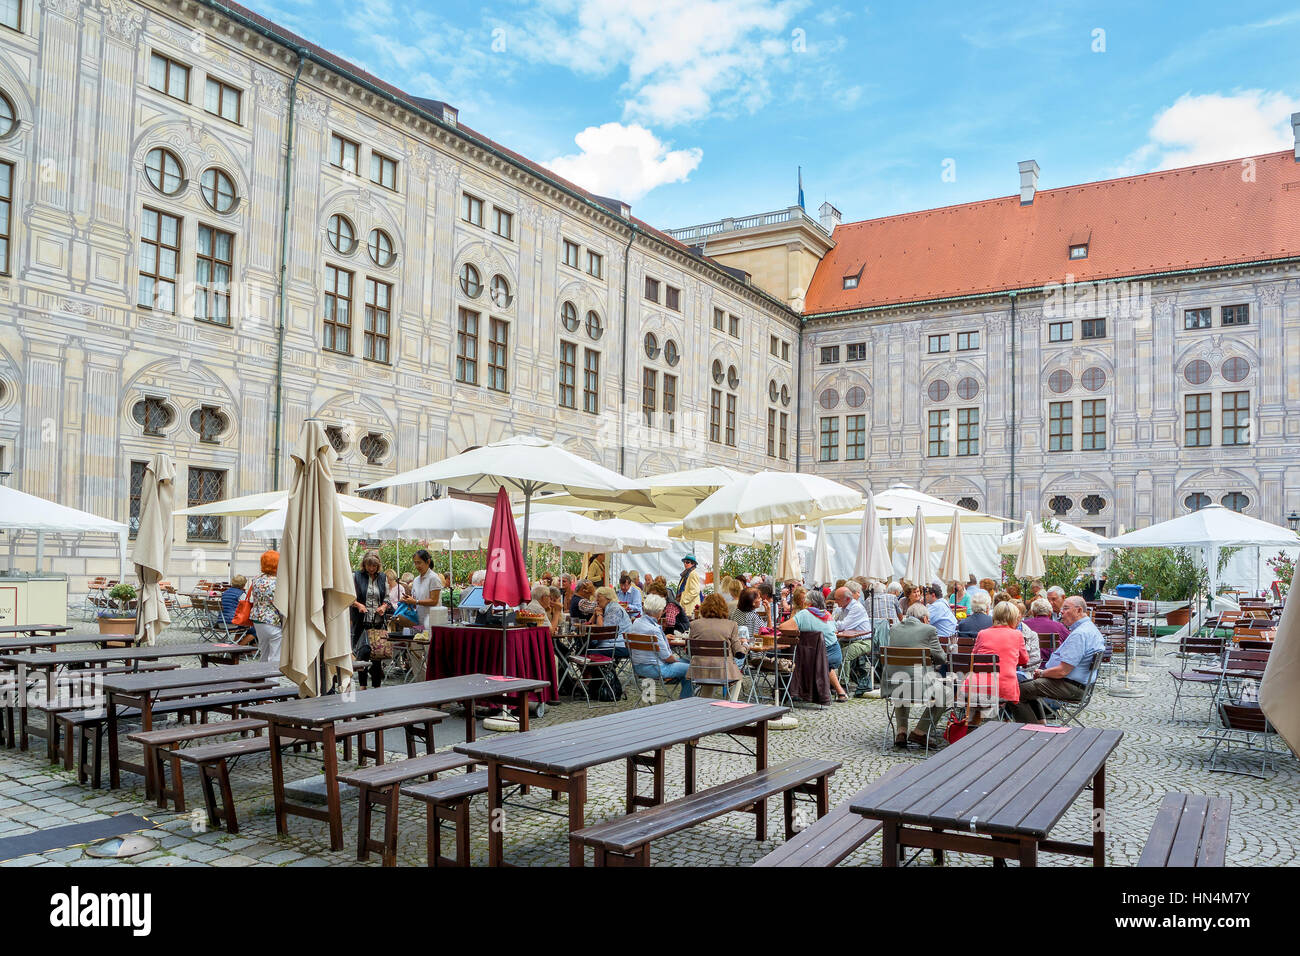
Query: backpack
(603,689)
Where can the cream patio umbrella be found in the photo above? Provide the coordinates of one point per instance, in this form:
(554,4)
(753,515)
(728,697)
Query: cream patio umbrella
(873,560)
(270,527)
(918,556)
(789,568)
(634,537)
(462,524)
(1050,543)
(772,497)
(153,546)
(821,563)
(1279,691)
(263,502)
(952,566)
(1030,563)
(314,588)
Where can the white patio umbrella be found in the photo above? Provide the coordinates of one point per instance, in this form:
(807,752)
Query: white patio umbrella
(153,546)
(918,556)
(772,497)
(634,537)
(757,536)
(1030,563)
(873,559)
(789,568)
(952,565)
(437,518)
(821,563)
(525,464)
(263,502)
(270,527)
(570,531)
(314,586)
(20,512)
(1050,543)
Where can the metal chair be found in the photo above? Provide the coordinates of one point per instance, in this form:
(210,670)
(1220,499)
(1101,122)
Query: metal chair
(710,652)
(1203,650)
(984,667)
(1244,725)
(909,682)
(643,643)
(1071,711)
(767,667)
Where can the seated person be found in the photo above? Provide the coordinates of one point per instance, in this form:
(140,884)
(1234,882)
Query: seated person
(535,611)
(978,618)
(903,683)
(957,594)
(1040,621)
(746,613)
(714,624)
(609,613)
(628,593)
(1070,669)
(662,663)
(809,614)
(1004,639)
(404,608)
(231,597)
(582,606)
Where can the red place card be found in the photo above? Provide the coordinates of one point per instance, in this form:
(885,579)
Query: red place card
(1044,729)
(730,703)
(493,677)
(225,646)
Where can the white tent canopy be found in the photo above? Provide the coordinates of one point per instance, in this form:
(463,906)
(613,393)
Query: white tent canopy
(20,511)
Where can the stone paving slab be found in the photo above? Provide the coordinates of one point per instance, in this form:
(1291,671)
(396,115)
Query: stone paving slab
(1155,756)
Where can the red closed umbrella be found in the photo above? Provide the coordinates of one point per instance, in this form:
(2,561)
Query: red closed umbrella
(506,582)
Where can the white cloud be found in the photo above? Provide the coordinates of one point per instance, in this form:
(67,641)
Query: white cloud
(624,162)
(684,58)
(1210,127)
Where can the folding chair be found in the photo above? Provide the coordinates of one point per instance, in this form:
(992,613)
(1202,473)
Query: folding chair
(985,667)
(1197,650)
(1244,725)
(909,682)
(768,666)
(1071,711)
(644,643)
(711,654)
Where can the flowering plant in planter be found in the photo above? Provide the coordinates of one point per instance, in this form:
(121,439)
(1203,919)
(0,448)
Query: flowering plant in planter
(1283,566)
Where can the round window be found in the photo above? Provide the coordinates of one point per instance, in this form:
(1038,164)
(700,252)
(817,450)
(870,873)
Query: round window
(772,391)
(1092,379)
(8,117)
(967,389)
(470,282)
(651,345)
(672,354)
(163,171)
(1235,369)
(1060,381)
(733,377)
(785,395)
(856,396)
(830,398)
(218,190)
(381,248)
(500,293)
(341,234)
(938,390)
(718,374)
(569,316)
(1197,372)
(594,327)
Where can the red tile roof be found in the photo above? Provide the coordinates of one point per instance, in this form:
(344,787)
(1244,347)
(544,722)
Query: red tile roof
(1158,222)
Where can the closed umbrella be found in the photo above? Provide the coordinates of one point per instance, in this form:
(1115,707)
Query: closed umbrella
(821,564)
(873,559)
(918,556)
(952,566)
(314,588)
(788,569)
(1279,691)
(1030,563)
(506,582)
(153,546)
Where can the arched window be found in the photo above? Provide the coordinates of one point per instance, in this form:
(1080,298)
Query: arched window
(1196,501)
(1235,501)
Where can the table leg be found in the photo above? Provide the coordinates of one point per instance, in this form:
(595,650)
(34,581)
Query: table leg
(470,707)
(332,787)
(51,724)
(690,766)
(277,779)
(1099,817)
(523,711)
(114,774)
(889,844)
(760,763)
(659,777)
(497,814)
(1029,853)
(577,814)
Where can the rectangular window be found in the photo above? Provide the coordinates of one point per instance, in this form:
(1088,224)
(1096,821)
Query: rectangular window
(937,344)
(344,153)
(222,99)
(135,491)
(771,433)
(720,322)
(773,346)
(673,298)
(375,343)
(1094,424)
(1060,332)
(338,310)
(591,382)
(782,436)
(1236,418)
(169,76)
(1196,319)
(785,351)
(830,445)
(830,354)
(1060,426)
(6,214)
(383,171)
(670,402)
(652,289)
(730,435)
(1092,328)
(850,282)
(503,222)
(649,388)
(733,326)
(568,374)
(1235,315)
(206,485)
(570,254)
(968,431)
(715,415)
(471,209)
(212,261)
(1079,251)
(967,341)
(938,437)
(856,352)
(855,438)
(467,347)
(11,14)
(1197,410)
(498,349)
(595,264)
(160,255)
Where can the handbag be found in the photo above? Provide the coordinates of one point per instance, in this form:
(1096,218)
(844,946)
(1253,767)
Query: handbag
(381,649)
(243,612)
(956,730)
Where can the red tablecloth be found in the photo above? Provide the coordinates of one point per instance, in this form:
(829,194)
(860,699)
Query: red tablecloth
(456,650)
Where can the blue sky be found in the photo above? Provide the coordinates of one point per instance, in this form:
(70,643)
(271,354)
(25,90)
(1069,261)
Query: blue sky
(698,109)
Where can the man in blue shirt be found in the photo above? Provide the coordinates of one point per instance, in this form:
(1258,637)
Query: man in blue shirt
(1070,669)
(629,593)
(941,617)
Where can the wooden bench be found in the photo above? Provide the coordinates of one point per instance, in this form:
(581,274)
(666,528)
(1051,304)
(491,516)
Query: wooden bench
(448,800)
(830,840)
(625,841)
(378,786)
(160,748)
(418,725)
(1190,830)
(214,771)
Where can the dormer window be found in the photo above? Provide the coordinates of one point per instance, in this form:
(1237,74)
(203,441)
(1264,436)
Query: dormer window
(851,281)
(1079,251)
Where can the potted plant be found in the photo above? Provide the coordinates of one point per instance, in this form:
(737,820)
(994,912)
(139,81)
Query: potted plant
(120,618)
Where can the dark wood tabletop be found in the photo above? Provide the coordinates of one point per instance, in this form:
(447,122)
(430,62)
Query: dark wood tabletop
(10,644)
(33,629)
(570,747)
(151,681)
(110,654)
(317,711)
(1000,779)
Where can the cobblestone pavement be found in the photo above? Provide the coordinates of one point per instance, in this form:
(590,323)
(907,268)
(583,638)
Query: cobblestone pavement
(1156,755)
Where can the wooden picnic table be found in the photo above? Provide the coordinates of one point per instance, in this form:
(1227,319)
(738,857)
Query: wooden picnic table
(34,630)
(314,719)
(9,645)
(557,758)
(141,689)
(997,792)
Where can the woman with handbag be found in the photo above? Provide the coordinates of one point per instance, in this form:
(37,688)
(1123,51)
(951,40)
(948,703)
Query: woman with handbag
(265,618)
(368,612)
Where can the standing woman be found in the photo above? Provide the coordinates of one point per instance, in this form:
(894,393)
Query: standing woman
(368,612)
(426,589)
(266,619)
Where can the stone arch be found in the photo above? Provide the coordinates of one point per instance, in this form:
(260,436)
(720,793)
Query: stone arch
(185,385)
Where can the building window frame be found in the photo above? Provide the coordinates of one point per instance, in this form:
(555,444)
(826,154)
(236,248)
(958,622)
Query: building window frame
(1060,427)
(1234,412)
(830,439)
(467,329)
(212,274)
(170,67)
(968,432)
(224,92)
(937,433)
(1092,416)
(498,358)
(338,309)
(568,382)
(591,381)
(376,344)
(345,154)
(154,247)
(1198,420)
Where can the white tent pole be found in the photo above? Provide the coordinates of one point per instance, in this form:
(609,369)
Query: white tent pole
(121,553)
(40,550)
(717,565)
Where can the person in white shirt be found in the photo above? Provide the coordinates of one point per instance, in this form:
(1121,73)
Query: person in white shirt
(426,587)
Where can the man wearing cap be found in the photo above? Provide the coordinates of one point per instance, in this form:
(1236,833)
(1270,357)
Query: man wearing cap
(688,588)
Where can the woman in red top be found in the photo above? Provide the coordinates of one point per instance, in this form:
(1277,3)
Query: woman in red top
(1005,640)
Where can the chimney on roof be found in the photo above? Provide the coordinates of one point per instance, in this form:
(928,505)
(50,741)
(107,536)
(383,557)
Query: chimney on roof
(1028,181)
(830,217)
(1295,126)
